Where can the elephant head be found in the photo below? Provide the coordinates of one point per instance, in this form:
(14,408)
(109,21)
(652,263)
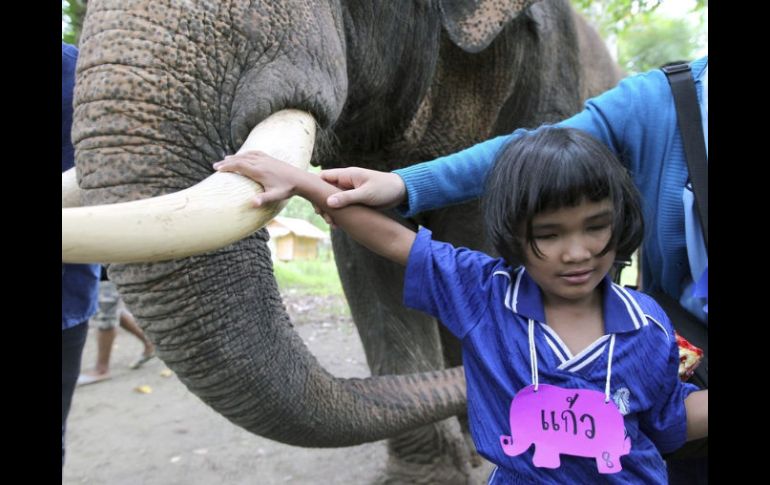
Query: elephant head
(166,88)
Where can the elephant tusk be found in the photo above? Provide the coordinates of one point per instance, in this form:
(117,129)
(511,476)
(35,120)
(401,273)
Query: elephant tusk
(70,192)
(210,215)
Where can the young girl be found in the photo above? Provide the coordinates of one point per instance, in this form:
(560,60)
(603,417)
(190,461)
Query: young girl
(555,354)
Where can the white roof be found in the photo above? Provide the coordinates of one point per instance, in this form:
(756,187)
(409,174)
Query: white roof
(281,226)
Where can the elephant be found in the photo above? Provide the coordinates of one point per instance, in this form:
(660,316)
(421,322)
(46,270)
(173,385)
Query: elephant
(166,88)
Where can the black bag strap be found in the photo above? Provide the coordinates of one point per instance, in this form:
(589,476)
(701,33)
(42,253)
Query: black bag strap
(688,115)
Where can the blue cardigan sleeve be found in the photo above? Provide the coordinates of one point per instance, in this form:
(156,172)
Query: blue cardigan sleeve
(460,176)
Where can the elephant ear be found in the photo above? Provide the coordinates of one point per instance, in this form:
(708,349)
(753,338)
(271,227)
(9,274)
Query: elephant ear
(473,24)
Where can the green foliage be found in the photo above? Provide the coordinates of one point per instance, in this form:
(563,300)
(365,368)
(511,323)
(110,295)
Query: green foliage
(640,47)
(316,277)
(612,16)
(72,13)
(642,37)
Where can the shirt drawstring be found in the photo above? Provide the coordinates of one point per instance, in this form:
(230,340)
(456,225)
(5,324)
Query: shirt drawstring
(609,369)
(532,353)
(533,360)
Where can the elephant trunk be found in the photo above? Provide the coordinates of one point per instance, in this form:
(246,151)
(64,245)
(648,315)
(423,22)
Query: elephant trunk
(219,323)
(221,326)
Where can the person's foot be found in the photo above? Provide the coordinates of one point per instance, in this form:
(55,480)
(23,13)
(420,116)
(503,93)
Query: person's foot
(142,359)
(86,378)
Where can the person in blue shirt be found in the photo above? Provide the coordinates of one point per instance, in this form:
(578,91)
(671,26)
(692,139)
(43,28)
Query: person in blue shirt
(558,206)
(79,282)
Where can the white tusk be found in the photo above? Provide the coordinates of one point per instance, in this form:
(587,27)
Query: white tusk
(210,215)
(70,192)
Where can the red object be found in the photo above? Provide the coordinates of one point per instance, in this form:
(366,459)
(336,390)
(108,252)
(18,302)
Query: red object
(690,357)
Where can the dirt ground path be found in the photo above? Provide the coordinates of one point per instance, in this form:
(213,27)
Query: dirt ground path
(119,436)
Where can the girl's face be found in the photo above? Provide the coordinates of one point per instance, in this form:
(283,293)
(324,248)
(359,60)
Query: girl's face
(570,239)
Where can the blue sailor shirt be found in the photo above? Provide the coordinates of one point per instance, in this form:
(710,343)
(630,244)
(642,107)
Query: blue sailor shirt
(487,305)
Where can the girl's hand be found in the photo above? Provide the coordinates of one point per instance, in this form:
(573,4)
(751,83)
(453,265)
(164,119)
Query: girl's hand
(275,176)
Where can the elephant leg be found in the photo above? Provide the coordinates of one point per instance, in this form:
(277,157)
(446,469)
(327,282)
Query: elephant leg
(398,340)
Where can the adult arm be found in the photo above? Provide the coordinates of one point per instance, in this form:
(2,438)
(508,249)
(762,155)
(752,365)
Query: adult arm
(280,180)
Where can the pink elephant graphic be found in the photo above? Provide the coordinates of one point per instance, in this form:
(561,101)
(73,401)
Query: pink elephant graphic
(574,422)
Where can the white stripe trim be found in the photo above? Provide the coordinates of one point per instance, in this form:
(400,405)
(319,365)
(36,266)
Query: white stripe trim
(577,359)
(635,304)
(508,290)
(628,306)
(587,361)
(660,325)
(515,298)
(562,346)
(555,350)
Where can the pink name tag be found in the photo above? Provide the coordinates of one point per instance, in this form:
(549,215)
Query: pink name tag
(566,421)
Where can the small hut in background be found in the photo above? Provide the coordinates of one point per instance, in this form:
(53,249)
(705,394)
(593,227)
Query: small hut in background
(294,239)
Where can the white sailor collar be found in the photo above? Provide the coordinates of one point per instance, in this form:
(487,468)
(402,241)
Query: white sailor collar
(621,311)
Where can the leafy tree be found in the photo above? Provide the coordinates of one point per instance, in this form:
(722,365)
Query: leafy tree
(611,16)
(641,37)
(72,13)
(654,40)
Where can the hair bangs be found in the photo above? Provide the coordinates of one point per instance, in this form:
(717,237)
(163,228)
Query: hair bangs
(549,169)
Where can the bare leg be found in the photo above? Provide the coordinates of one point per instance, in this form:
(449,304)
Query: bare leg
(101,371)
(128,323)
(104,341)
